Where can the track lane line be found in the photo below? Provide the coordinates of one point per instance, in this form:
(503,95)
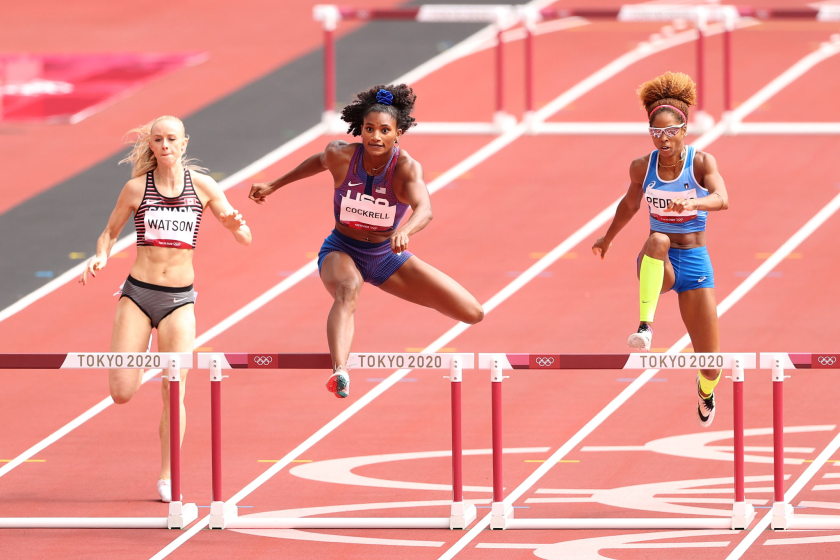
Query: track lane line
(765,93)
(797,486)
(643,50)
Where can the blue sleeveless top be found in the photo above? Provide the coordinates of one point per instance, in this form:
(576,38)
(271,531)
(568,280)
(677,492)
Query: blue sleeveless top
(659,193)
(367,202)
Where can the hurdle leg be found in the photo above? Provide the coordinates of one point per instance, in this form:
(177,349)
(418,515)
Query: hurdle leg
(703,121)
(782,512)
(461,514)
(219,511)
(500,511)
(180,515)
(742,512)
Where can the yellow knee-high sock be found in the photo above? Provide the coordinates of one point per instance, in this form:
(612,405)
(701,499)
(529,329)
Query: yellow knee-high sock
(708,385)
(651,276)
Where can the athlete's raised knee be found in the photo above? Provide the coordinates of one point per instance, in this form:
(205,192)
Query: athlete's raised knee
(121,395)
(658,244)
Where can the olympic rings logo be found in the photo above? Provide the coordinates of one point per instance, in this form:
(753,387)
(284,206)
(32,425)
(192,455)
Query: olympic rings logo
(262,360)
(544,362)
(827,360)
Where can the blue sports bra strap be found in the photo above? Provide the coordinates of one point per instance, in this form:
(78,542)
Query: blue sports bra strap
(651,170)
(369,185)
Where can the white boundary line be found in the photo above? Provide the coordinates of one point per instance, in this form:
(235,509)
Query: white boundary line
(459,169)
(475,159)
(797,486)
(777,257)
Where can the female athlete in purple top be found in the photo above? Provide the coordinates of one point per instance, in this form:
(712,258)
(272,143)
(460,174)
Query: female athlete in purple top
(375,182)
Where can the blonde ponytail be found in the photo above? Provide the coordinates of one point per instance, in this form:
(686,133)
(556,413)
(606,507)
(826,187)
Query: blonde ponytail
(141,157)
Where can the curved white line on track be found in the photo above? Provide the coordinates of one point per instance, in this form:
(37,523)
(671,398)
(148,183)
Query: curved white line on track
(339,471)
(796,71)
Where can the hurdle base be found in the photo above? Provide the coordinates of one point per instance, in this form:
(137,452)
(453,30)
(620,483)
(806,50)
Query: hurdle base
(742,515)
(461,515)
(501,515)
(621,523)
(782,516)
(221,513)
(251,522)
(814,522)
(181,515)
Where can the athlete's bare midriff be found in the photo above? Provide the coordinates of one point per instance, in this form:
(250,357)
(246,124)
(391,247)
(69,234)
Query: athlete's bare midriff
(685,240)
(367,236)
(164,266)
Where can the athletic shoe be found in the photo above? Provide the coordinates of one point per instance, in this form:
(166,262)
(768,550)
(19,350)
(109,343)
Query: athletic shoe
(164,486)
(339,384)
(705,407)
(641,339)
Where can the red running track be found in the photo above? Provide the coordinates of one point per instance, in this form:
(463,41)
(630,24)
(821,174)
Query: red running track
(107,467)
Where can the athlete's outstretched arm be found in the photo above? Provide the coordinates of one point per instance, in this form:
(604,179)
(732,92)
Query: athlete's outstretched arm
(310,166)
(218,203)
(415,194)
(127,204)
(627,207)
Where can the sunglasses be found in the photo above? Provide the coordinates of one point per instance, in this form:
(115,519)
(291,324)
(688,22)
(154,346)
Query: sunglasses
(670,131)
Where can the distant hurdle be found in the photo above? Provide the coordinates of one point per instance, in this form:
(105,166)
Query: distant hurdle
(180,514)
(502,512)
(783,516)
(225,515)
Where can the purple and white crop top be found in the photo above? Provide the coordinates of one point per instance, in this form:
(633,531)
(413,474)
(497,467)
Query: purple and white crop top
(367,202)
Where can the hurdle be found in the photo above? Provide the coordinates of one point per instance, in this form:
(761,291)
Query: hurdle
(224,515)
(180,514)
(523,21)
(783,516)
(502,516)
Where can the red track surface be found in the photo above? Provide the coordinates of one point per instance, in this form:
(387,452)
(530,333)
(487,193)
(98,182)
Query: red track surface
(524,200)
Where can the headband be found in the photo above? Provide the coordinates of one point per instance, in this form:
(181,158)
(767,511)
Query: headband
(685,119)
(385,97)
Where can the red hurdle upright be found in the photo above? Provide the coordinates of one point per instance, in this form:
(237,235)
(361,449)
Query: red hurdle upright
(225,514)
(180,514)
(783,515)
(502,511)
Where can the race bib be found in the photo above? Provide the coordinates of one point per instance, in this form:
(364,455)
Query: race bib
(366,212)
(170,227)
(659,200)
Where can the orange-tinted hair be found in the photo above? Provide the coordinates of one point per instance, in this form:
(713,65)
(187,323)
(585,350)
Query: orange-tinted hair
(671,88)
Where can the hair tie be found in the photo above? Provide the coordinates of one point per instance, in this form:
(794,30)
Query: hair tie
(385,97)
(685,119)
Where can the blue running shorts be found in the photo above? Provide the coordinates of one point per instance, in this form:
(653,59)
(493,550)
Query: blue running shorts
(692,269)
(375,261)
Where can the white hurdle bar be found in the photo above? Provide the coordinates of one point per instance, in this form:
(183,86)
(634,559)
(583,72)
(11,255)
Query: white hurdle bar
(502,511)
(783,516)
(180,514)
(225,515)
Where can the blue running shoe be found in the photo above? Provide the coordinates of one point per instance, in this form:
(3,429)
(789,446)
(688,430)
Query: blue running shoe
(339,384)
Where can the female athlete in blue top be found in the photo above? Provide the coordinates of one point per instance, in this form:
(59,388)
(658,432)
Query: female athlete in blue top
(680,185)
(374,182)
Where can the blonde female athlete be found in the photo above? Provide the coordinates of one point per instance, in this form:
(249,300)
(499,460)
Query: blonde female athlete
(680,185)
(374,184)
(167,196)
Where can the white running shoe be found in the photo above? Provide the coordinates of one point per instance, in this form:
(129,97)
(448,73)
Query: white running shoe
(339,384)
(642,338)
(705,407)
(164,486)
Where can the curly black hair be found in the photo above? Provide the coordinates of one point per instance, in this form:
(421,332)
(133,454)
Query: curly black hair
(402,105)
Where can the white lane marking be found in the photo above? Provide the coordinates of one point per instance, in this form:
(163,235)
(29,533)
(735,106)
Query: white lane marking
(305,271)
(663,497)
(803,540)
(696,446)
(589,549)
(339,471)
(453,173)
(797,486)
(752,280)
(311,535)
